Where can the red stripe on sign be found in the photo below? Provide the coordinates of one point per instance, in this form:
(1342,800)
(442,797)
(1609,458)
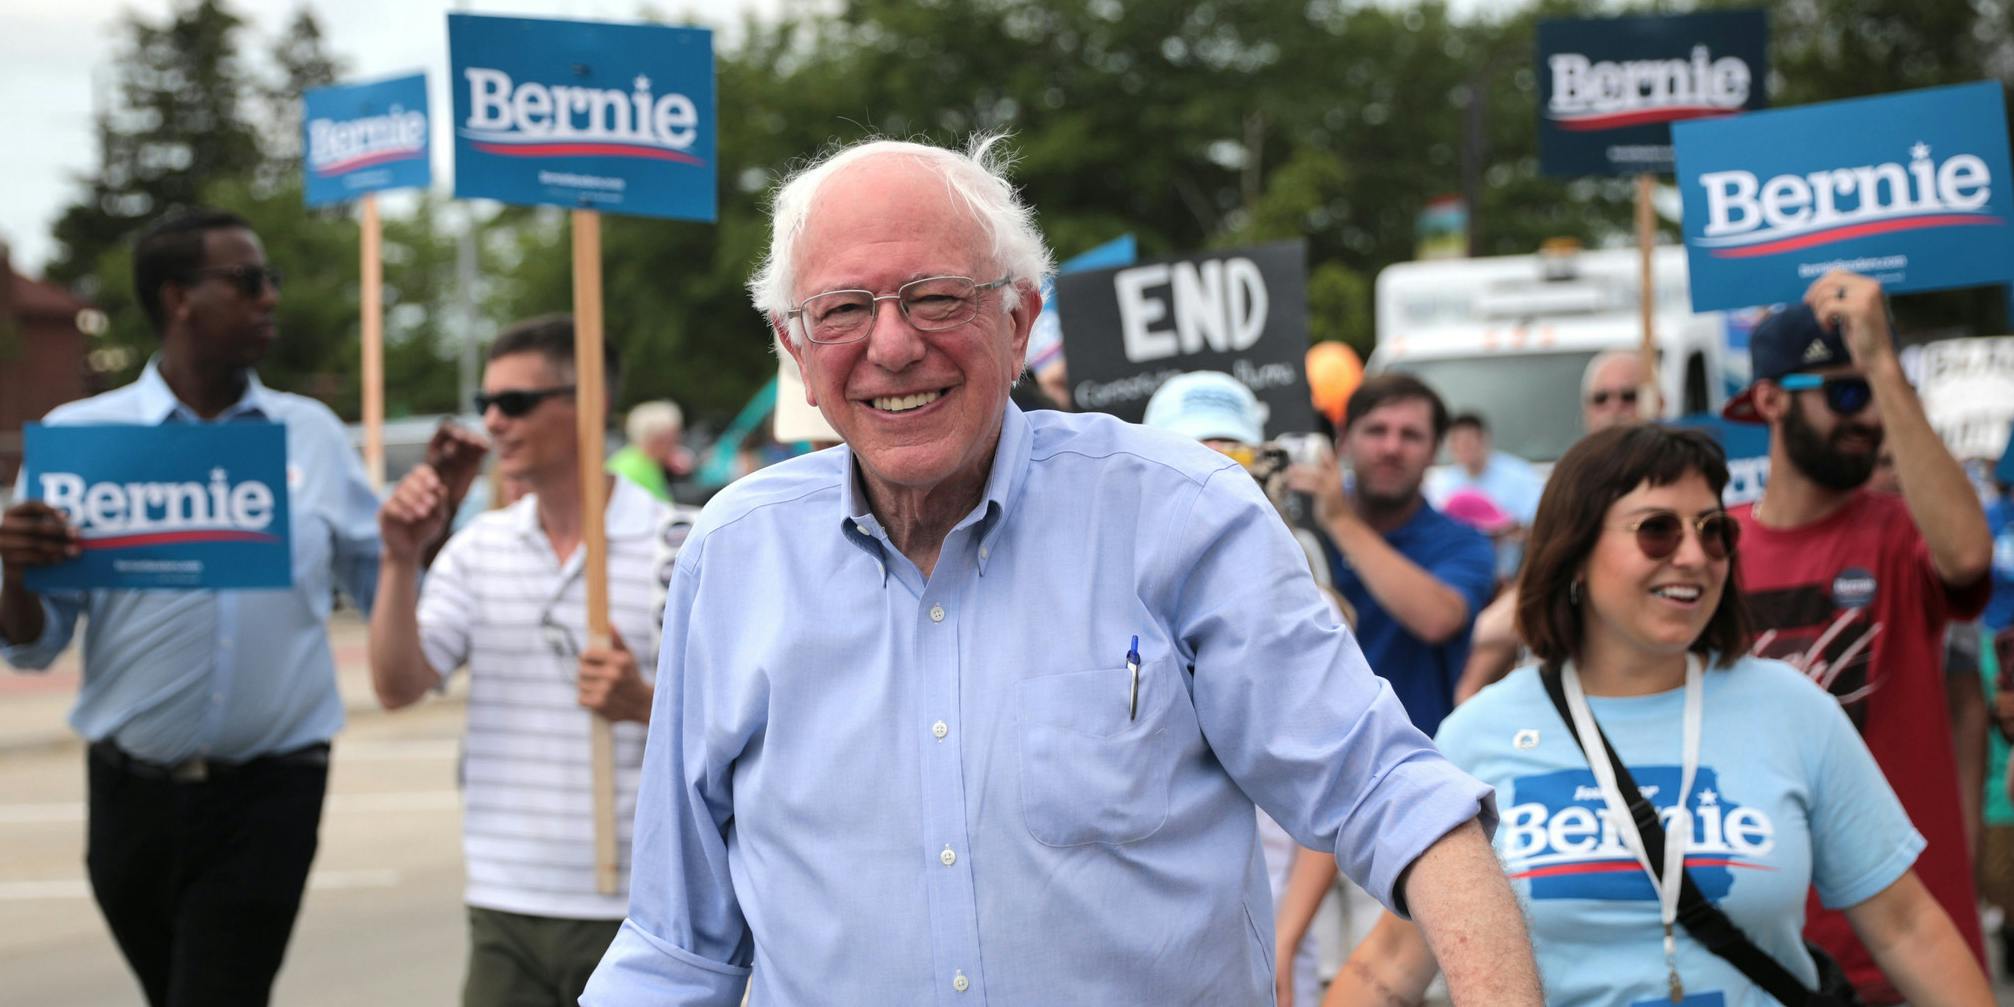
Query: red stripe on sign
(366,161)
(1617,120)
(177,537)
(1623,866)
(586,150)
(1855,231)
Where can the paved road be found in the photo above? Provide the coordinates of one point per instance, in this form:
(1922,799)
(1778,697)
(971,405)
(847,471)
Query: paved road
(382,923)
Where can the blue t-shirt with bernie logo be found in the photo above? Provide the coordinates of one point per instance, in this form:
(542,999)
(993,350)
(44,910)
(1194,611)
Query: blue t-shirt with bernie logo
(1786,797)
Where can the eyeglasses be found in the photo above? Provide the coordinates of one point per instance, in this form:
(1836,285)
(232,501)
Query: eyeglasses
(1845,394)
(518,401)
(250,280)
(931,304)
(1600,398)
(1661,533)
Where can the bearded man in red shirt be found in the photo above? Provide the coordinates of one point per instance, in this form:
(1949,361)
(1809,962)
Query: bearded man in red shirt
(1856,587)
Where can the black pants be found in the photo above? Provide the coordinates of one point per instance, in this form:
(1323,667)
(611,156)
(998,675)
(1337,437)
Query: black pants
(200,881)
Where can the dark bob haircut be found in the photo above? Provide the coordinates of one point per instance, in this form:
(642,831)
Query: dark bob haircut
(1390,387)
(171,250)
(1591,476)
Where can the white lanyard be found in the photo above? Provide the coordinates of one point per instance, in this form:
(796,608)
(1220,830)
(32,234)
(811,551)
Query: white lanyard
(1680,828)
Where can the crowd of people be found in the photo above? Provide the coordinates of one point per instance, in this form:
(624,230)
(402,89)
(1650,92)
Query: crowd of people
(1039,706)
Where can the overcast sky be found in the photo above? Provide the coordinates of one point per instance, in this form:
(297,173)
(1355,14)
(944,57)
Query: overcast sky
(50,51)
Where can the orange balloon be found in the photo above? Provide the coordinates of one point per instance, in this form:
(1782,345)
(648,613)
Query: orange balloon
(1334,371)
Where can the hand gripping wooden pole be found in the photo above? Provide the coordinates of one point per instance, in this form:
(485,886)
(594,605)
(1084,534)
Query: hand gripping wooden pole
(1650,397)
(591,401)
(371,274)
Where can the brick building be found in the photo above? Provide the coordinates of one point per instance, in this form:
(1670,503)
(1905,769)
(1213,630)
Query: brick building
(42,357)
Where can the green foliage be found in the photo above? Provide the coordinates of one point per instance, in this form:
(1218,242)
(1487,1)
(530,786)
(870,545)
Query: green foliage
(1192,124)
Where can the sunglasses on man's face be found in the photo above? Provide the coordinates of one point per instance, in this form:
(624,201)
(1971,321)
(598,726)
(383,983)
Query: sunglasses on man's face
(1845,394)
(250,280)
(518,401)
(1660,534)
(1602,397)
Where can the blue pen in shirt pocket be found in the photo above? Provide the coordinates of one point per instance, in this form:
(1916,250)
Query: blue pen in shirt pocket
(1133,668)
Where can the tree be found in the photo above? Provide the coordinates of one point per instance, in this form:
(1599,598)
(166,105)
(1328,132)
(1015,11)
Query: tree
(178,119)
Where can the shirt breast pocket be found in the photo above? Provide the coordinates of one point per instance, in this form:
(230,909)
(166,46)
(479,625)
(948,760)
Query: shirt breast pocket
(1090,771)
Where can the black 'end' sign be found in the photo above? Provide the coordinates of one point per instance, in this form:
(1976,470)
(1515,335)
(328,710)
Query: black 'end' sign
(1243,312)
(1610,88)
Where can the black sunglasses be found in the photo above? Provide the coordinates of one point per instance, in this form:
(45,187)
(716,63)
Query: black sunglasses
(518,401)
(250,280)
(1660,534)
(1845,394)
(1600,398)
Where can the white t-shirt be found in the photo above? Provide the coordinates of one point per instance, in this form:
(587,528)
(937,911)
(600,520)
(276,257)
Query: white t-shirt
(1786,798)
(498,600)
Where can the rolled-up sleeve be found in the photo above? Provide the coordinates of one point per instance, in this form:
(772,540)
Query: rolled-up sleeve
(685,941)
(1291,708)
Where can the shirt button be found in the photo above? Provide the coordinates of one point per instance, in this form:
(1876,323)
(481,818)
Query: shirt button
(939,730)
(982,552)
(960,983)
(861,528)
(936,613)
(948,857)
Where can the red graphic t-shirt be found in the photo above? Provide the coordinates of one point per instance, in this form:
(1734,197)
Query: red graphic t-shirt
(1854,601)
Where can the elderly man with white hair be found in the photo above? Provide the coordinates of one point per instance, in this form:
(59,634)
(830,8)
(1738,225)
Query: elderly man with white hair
(975,707)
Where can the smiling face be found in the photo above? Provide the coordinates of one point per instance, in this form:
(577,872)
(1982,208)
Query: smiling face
(1389,449)
(542,445)
(1641,609)
(919,410)
(212,320)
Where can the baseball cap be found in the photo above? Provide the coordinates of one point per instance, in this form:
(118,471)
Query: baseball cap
(1788,341)
(1208,405)
(1474,508)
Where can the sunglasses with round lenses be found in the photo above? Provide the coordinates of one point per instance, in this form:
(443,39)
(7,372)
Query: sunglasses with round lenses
(1659,535)
(518,401)
(1844,394)
(931,304)
(250,280)
(1600,398)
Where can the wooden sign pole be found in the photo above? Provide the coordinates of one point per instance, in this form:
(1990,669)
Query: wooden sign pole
(373,307)
(1649,397)
(591,402)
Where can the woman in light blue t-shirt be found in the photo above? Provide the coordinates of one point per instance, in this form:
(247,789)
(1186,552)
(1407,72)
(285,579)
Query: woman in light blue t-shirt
(1628,597)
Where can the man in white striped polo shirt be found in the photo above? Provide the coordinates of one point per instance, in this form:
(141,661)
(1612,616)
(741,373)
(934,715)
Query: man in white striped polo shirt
(506,598)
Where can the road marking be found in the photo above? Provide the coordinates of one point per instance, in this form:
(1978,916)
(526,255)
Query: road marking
(78,888)
(70,812)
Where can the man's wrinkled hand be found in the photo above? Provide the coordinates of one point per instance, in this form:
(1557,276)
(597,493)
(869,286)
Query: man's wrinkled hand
(33,534)
(612,685)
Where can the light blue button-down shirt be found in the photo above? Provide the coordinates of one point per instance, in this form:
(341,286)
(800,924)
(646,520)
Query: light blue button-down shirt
(878,788)
(170,675)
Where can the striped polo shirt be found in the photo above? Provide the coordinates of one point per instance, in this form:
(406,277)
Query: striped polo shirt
(498,601)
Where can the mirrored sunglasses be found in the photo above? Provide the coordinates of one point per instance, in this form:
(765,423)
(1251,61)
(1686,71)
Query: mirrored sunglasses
(1845,394)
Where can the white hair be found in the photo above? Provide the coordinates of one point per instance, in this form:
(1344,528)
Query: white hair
(977,178)
(649,419)
(1600,363)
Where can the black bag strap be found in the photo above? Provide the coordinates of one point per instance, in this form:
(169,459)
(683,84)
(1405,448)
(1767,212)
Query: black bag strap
(1702,919)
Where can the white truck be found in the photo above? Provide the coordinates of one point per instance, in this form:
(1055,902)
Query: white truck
(1508,337)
